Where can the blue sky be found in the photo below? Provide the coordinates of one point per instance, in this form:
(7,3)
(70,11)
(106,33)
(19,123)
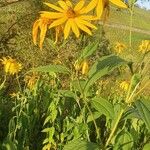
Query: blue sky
(144,3)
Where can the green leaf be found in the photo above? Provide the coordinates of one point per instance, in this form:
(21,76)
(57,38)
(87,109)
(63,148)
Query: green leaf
(89,50)
(46,130)
(146,147)
(68,93)
(143,107)
(51,68)
(51,134)
(96,115)
(123,141)
(102,67)
(54,115)
(103,106)
(47,120)
(78,85)
(45,141)
(131,113)
(81,145)
(9,145)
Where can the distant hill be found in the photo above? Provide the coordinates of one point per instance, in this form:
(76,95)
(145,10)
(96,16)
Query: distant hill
(118,25)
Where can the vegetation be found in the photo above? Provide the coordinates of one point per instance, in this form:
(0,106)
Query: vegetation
(74,76)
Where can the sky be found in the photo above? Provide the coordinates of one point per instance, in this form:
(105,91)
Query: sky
(144,4)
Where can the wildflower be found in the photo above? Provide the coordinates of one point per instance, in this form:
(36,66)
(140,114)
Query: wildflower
(11,66)
(85,67)
(42,23)
(124,85)
(119,47)
(73,18)
(145,46)
(100,5)
(82,66)
(31,81)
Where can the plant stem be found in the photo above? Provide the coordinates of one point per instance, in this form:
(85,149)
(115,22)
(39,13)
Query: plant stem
(114,128)
(86,104)
(97,131)
(17,77)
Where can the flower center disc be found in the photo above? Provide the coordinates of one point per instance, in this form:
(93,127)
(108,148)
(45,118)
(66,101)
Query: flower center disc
(71,13)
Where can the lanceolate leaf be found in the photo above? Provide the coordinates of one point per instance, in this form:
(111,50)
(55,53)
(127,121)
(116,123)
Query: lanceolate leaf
(143,107)
(103,67)
(51,68)
(89,50)
(104,107)
(123,141)
(81,145)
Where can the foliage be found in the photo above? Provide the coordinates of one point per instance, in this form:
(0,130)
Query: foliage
(82,94)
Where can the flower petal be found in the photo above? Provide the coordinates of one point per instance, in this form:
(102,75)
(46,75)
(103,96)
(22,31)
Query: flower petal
(51,15)
(119,3)
(42,34)
(74,28)
(63,5)
(57,22)
(86,23)
(89,7)
(54,7)
(67,29)
(83,27)
(35,31)
(69,3)
(99,8)
(79,5)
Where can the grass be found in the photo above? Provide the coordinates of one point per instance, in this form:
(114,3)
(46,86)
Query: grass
(140,17)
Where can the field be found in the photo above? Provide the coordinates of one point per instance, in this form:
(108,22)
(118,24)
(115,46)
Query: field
(76,83)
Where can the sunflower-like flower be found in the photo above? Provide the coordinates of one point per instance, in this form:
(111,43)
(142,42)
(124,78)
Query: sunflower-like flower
(144,46)
(119,47)
(42,23)
(100,5)
(11,66)
(74,18)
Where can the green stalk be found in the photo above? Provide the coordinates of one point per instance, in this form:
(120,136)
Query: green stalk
(86,104)
(127,100)
(114,128)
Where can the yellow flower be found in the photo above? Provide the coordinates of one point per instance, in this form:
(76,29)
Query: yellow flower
(11,66)
(73,18)
(124,85)
(100,5)
(82,66)
(31,81)
(85,67)
(42,24)
(119,47)
(145,46)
